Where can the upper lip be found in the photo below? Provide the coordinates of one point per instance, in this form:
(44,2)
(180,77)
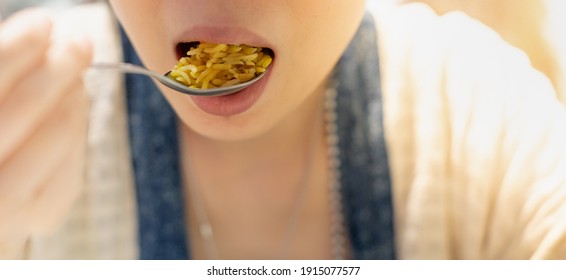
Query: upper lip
(223,35)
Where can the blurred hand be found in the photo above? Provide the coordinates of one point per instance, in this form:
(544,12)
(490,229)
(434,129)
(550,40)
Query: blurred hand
(43,121)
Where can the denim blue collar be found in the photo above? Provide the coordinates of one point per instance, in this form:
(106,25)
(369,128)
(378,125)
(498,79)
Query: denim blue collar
(366,185)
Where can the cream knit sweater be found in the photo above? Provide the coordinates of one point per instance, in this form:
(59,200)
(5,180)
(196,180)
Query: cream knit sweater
(477,140)
(476,137)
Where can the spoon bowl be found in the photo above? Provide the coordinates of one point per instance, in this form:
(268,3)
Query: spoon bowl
(170,83)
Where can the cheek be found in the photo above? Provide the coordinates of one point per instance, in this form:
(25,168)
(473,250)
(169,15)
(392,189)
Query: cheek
(324,28)
(146,31)
(321,30)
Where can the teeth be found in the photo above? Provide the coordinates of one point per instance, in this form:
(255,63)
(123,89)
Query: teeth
(207,65)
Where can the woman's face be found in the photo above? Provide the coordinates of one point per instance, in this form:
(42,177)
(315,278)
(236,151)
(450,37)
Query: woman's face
(307,37)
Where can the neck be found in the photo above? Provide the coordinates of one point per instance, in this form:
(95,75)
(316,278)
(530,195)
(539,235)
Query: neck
(263,197)
(280,151)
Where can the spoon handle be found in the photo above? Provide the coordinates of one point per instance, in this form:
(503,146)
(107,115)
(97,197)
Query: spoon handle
(139,70)
(125,68)
(165,80)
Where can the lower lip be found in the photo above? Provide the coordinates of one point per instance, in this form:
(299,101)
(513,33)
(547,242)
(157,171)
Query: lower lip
(233,104)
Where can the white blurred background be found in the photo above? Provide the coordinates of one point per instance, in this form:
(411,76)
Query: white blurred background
(9,6)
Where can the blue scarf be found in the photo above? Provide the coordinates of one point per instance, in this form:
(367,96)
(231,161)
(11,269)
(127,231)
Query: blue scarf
(366,185)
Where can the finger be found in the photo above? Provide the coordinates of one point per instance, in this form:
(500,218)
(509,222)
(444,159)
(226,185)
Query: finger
(13,222)
(50,204)
(16,211)
(37,157)
(23,41)
(33,100)
(47,208)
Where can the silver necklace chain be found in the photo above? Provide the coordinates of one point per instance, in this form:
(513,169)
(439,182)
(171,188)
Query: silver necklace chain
(337,230)
(337,222)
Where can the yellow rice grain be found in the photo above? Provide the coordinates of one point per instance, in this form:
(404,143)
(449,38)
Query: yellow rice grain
(220,65)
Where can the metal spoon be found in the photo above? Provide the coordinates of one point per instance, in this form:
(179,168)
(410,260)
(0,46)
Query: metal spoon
(168,82)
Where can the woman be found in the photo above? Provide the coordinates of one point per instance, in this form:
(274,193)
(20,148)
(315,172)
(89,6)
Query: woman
(297,167)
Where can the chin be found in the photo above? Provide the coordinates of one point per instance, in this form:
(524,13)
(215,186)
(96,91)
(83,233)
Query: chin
(237,127)
(231,129)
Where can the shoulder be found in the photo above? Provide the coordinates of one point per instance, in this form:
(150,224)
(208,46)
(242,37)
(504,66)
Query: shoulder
(453,65)
(414,40)
(463,109)
(453,68)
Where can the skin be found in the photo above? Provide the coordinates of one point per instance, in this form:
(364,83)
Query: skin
(43,119)
(265,156)
(303,59)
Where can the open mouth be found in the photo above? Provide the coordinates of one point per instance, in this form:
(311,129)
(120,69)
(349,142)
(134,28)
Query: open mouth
(184,47)
(207,66)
